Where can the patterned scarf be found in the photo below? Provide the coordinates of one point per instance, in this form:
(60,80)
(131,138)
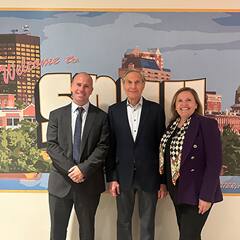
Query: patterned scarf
(175,148)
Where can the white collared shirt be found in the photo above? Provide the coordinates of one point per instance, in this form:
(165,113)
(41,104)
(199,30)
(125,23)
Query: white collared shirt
(134,113)
(75,112)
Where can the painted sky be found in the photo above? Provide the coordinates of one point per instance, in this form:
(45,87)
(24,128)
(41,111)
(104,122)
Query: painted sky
(194,45)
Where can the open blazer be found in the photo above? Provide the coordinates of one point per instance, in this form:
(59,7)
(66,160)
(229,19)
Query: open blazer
(125,154)
(94,146)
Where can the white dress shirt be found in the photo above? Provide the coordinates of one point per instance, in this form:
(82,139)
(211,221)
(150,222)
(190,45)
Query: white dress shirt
(134,114)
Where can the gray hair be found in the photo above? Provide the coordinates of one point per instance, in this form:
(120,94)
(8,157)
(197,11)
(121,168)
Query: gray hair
(124,77)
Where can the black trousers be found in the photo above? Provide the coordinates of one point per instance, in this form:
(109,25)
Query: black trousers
(147,208)
(190,222)
(60,209)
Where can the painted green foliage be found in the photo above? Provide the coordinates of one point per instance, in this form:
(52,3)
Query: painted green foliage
(231,152)
(19,152)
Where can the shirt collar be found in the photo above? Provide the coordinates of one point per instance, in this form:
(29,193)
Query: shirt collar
(75,106)
(139,104)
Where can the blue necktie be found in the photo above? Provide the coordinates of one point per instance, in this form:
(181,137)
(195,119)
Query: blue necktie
(77,136)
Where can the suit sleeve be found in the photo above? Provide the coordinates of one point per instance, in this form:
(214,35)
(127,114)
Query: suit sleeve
(59,159)
(162,125)
(110,165)
(213,154)
(97,158)
(161,130)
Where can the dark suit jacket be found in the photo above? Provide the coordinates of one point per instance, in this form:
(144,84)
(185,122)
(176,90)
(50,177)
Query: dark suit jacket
(94,146)
(201,162)
(143,154)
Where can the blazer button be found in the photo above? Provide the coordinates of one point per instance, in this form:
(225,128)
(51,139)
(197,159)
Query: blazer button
(192,170)
(195,146)
(192,157)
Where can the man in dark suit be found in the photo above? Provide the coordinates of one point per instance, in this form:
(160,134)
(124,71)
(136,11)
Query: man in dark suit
(136,127)
(78,137)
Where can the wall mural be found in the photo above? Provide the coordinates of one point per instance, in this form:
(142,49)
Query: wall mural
(41,50)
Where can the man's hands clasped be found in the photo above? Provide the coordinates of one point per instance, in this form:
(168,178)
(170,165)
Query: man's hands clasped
(75,174)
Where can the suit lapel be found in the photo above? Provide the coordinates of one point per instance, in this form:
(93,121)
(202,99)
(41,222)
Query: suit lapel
(143,117)
(124,117)
(68,123)
(91,116)
(190,137)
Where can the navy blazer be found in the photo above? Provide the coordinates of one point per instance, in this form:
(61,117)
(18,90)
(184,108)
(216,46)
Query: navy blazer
(141,156)
(201,162)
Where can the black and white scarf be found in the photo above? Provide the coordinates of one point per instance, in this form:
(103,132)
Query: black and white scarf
(175,148)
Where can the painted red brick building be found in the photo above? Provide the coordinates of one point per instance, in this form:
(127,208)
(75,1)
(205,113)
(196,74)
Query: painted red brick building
(10,116)
(149,62)
(213,110)
(224,120)
(7,101)
(213,103)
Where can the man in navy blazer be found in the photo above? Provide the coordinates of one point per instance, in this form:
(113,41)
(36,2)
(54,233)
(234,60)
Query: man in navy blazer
(136,127)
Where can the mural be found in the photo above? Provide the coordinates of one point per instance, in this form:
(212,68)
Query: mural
(40,50)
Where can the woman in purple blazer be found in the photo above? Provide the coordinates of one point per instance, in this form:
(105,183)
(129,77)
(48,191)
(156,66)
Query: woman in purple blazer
(190,159)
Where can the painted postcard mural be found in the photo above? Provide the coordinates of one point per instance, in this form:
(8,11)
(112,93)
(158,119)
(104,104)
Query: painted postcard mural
(41,50)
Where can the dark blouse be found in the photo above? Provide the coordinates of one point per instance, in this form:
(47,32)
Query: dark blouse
(172,189)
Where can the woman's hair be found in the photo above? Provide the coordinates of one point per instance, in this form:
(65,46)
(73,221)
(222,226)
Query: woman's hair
(199,108)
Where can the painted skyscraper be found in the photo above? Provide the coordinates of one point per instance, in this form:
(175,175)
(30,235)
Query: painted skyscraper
(19,65)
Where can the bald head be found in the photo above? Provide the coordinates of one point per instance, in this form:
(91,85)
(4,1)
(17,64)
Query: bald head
(82,75)
(81,88)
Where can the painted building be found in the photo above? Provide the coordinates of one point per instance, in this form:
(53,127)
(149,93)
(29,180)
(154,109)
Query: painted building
(236,106)
(231,118)
(7,101)
(213,103)
(227,119)
(149,62)
(19,65)
(10,116)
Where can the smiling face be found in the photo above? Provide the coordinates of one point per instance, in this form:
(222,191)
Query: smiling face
(81,88)
(185,104)
(133,86)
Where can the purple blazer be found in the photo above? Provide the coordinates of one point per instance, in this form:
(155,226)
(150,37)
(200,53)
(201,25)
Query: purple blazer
(201,162)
